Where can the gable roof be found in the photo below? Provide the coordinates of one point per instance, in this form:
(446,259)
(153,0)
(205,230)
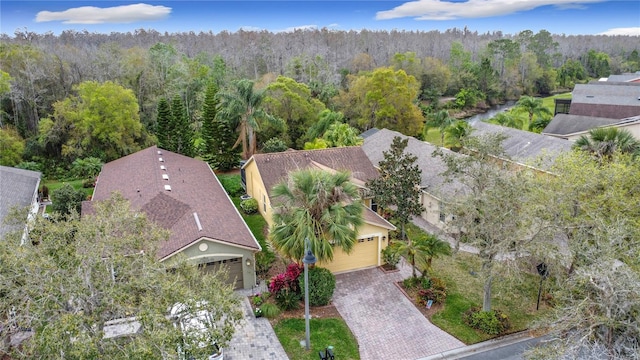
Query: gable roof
(607,99)
(525,146)
(274,167)
(196,206)
(17,189)
(431,167)
(627,77)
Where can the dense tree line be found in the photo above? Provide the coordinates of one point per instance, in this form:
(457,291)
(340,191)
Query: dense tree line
(51,87)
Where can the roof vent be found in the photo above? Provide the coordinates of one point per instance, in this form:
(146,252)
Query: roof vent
(162,167)
(161,159)
(195,216)
(167,187)
(165,176)
(159,152)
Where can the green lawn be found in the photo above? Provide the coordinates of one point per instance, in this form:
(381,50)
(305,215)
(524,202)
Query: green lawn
(324,332)
(433,137)
(464,290)
(55,184)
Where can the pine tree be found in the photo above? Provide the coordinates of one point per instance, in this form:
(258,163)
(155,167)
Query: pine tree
(218,134)
(163,131)
(182,135)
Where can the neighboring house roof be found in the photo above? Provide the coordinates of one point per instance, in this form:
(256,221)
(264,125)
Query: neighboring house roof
(195,207)
(565,124)
(274,168)
(525,146)
(628,77)
(369,132)
(432,167)
(18,188)
(607,99)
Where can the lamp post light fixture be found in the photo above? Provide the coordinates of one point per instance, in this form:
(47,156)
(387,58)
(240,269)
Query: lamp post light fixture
(309,259)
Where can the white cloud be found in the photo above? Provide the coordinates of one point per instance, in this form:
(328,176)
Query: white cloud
(95,15)
(631,31)
(445,10)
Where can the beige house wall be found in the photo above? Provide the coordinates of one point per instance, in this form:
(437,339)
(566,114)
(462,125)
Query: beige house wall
(365,254)
(634,129)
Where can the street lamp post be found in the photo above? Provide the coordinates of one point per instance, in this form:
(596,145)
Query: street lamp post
(308,259)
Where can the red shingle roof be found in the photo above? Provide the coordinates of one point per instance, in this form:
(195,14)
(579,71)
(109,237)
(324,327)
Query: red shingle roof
(194,189)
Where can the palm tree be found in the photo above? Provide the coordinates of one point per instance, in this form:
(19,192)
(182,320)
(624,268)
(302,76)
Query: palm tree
(321,206)
(532,106)
(604,142)
(441,120)
(507,119)
(434,247)
(421,250)
(456,134)
(242,107)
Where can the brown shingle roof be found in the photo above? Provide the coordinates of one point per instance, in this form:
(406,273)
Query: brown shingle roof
(274,167)
(194,189)
(614,100)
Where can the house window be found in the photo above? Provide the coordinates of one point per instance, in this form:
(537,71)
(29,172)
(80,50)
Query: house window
(442,215)
(374,206)
(264,203)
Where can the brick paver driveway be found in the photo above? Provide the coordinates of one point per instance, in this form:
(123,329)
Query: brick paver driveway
(385,322)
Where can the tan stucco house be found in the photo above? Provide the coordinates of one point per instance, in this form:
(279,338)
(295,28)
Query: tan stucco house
(183,195)
(263,171)
(522,149)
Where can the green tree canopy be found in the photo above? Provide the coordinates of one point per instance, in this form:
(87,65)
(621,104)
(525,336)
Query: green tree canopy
(399,182)
(384,98)
(292,102)
(11,146)
(532,107)
(101,121)
(320,206)
(75,275)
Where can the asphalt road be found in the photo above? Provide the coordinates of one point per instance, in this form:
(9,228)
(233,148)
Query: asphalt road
(508,352)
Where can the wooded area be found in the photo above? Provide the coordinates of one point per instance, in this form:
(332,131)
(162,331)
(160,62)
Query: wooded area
(55,90)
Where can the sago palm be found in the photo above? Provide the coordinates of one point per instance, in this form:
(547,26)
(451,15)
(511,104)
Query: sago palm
(321,206)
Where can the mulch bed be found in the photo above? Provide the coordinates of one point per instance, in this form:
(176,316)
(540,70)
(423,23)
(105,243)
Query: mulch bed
(412,294)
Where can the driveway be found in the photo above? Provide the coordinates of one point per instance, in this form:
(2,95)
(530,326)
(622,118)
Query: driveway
(386,324)
(254,338)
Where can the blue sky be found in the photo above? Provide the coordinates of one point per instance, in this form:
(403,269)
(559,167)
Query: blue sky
(509,16)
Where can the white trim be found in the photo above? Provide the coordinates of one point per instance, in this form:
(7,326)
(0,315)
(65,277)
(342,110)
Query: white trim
(211,240)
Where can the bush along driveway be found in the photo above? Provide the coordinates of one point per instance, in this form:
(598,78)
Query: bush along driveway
(386,323)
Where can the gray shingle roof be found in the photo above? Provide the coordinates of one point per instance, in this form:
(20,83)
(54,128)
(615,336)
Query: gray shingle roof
(616,100)
(564,124)
(431,167)
(524,146)
(17,189)
(624,77)
(194,189)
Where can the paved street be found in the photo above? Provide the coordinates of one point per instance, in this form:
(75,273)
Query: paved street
(386,324)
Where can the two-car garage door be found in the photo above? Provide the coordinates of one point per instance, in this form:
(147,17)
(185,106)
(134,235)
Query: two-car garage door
(234,268)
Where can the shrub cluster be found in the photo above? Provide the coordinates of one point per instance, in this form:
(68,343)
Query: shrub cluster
(249,206)
(431,289)
(287,280)
(390,256)
(232,184)
(322,283)
(493,322)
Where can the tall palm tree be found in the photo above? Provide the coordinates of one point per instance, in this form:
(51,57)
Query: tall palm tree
(440,120)
(456,134)
(242,107)
(604,142)
(321,206)
(507,119)
(532,106)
